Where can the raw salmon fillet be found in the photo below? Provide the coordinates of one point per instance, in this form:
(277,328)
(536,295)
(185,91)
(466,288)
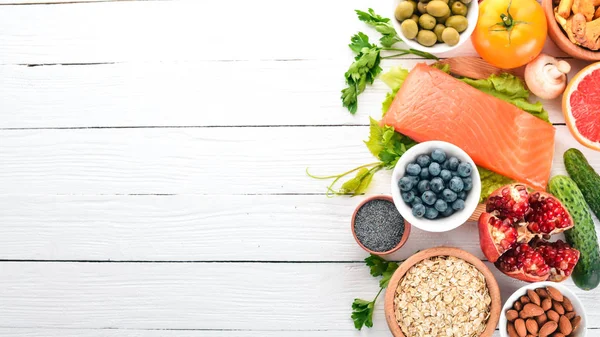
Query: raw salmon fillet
(432,105)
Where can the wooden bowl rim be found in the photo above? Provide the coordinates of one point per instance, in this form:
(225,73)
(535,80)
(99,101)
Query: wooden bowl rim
(405,235)
(491,283)
(559,37)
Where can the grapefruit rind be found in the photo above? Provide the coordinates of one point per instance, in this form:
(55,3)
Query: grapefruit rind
(566,106)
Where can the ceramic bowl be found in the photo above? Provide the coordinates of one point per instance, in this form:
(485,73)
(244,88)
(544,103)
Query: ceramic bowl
(390,312)
(437,48)
(560,38)
(440,224)
(577,306)
(405,235)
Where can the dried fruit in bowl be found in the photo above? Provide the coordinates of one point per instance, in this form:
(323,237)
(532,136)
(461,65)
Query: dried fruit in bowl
(511,231)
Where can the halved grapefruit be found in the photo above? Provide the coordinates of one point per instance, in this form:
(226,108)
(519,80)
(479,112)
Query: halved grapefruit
(581,106)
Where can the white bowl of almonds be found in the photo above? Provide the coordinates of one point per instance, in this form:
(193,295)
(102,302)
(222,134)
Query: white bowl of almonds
(442,291)
(543,309)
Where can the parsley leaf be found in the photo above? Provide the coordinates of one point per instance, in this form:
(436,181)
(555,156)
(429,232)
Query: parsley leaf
(362,313)
(381,267)
(387,274)
(382,25)
(362,71)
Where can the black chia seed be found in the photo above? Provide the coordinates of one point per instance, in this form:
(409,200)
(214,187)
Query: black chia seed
(378,225)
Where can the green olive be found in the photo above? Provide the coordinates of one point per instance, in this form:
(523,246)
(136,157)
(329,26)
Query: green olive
(409,29)
(415,18)
(424,1)
(438,29)
(459,8)
(451,2)
(404,10)
(437,8)
(426,38)
(414,4)
(427,21)
(450,36)
(457,22)
(442,19)
(422,7)
(466,2)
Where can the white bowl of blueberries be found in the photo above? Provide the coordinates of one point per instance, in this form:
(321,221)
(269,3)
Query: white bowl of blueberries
(436,186)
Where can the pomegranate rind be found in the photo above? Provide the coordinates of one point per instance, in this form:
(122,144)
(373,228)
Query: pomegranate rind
(486,242)
(581,106)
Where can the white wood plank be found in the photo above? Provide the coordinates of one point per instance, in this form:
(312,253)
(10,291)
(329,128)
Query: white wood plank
(197,296)
(38,332)
(191,93)
(211,161)
(179,30)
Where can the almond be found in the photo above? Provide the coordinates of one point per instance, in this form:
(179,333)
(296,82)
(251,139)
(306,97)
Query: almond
(567,304)
(546,304)
(531,310)
(541,319)
(520,327)
(564,325)
(554,294)
(532,326)
(575,322)
(533,297)
(548,328)
(510,328)
(558,308)
(511,315)
(570,315)
(542,292)
(524,299)
(518,306)
(557,334)
(552,315)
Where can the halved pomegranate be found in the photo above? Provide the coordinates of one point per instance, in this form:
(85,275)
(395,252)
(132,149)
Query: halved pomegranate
(524,263)
(559,256)
(512,219)
(547,215)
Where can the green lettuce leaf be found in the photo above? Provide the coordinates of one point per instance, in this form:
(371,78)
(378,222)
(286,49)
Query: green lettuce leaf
(511,89)
(394,79)
(387,144)
(491,181)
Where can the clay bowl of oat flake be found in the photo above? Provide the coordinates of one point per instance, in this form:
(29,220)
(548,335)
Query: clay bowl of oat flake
(442,291)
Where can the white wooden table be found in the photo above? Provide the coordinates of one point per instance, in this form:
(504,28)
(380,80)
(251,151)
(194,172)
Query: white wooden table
(152,158)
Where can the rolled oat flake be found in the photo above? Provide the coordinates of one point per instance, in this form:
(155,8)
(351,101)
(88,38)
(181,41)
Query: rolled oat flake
(378,225)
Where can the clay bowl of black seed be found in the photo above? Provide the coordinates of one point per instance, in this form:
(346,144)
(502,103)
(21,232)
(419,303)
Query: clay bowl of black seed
(378,227)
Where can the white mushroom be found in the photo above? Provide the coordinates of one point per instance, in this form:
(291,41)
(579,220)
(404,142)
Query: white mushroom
(546,76)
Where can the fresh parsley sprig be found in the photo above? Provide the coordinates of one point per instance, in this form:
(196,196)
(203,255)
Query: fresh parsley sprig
(362,310)
(365,67)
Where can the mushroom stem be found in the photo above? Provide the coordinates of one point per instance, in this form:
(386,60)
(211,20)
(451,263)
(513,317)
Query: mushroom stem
(546,76)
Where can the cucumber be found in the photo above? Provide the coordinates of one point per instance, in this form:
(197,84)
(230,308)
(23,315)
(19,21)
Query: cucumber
(582,236)
(585,177)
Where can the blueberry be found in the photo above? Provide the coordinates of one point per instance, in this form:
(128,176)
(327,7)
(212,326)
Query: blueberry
(405,184)
(418,210)
(441,205)
(424,173)
(413,169)
(436,184)
(424,160)
(448,195)
(456,184)
(448,212)
(453,163)
(468,184)
(431,213)
(414,179)
(417,201)
(454,173)
(434,169)
(423,186)
(429,198)
(408,197)
(445,175)
(462,195)
(446,165)
(464,169)
(438,156)
(458,204)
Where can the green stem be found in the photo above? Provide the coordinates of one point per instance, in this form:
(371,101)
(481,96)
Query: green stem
(395,55)
(412,51)
(374,300)
(342,174)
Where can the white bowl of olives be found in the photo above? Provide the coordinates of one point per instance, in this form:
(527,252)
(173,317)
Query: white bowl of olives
(435,26)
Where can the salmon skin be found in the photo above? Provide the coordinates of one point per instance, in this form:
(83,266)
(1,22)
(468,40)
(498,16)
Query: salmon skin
(432,105)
